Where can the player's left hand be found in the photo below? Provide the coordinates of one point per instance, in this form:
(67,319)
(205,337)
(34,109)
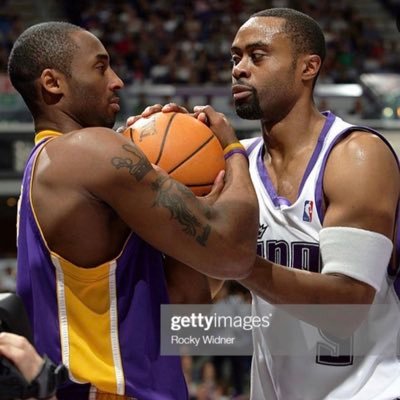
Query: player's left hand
(216,190)
(155,108)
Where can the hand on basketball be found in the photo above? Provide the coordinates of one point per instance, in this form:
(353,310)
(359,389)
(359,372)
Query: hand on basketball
(21,353)
(218,123)
(170,107)
(216,189)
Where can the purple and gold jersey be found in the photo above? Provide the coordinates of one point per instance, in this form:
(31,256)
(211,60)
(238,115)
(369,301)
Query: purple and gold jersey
(314,366)
(103,323)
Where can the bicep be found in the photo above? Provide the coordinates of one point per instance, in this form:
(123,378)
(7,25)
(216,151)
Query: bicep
(162,211)
(361,185)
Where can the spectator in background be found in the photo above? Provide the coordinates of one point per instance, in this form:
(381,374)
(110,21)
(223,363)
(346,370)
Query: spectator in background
(8,279)
(205,27)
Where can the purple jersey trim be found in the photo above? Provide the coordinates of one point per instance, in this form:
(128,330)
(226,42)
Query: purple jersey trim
(330,118)
(252,146)
(279,201)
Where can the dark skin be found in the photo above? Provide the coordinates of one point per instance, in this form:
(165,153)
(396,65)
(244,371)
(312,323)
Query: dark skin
(360,168)
(290,136)
(92,187)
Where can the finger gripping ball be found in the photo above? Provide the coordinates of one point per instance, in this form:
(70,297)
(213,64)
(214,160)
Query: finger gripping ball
(183,146)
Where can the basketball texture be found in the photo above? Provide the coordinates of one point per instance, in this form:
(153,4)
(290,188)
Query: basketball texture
(181,145)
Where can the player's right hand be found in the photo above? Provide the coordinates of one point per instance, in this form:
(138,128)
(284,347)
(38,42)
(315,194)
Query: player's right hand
(218,123)
(155,108)
(216,190)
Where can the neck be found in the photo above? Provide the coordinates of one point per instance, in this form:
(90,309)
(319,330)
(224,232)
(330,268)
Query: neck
(57,122)
(298,129)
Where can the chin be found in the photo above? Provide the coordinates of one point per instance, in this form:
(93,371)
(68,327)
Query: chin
(246,112)
(108,123)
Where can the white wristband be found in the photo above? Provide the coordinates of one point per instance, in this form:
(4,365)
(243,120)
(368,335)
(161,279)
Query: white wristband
(358,253)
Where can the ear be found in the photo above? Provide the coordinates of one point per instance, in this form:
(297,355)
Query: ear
(52,81)
(311,66)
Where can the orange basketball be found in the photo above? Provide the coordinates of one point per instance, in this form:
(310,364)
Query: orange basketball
(181,145)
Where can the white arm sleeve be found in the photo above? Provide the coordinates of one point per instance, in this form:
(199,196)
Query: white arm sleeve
(357,253)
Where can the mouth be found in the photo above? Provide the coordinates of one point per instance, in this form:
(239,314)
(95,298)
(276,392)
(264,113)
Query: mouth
(114,104)
(240,92)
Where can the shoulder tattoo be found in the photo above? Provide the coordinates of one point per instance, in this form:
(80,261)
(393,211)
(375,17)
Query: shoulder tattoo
(137,164)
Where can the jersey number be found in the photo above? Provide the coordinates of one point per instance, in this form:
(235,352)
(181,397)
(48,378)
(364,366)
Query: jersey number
(334,351)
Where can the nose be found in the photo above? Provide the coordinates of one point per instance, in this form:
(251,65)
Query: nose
(241,70)
(116,81)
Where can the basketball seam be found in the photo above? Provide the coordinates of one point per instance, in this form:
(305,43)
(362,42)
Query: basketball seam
(198,185)
(192,154)
(164,138)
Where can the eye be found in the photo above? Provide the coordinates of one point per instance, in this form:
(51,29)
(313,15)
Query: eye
(235,59)
(257,56)
(101,67)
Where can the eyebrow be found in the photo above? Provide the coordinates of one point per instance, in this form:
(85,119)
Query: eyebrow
(251,46)
(102,57)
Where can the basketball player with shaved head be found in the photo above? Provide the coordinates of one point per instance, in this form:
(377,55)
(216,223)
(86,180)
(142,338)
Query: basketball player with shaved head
(328,194)
(96,219)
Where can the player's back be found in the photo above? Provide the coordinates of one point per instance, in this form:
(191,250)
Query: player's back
(75,223)
(101,322)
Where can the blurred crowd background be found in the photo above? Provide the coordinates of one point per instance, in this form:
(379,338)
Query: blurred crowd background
(188,43)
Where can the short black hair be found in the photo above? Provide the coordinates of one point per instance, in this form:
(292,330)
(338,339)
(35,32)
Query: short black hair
(305,33)
(41,46)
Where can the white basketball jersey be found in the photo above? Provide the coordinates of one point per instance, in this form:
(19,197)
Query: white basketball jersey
(323,368)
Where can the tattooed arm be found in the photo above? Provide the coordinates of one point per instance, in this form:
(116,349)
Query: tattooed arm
(218,241)
(110,186)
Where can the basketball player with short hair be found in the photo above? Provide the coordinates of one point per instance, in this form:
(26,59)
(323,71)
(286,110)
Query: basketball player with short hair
(95,219)
(328,194)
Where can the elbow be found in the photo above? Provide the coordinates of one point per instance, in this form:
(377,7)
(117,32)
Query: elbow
(238,265)
(245,265)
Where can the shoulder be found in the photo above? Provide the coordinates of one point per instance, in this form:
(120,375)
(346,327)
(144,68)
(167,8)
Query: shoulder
(87,136)
(82,153)
(362,166)
(93,142)
(362,147)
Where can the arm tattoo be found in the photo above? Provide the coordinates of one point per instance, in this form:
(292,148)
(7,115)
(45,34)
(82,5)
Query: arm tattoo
(170,194)
(138,165)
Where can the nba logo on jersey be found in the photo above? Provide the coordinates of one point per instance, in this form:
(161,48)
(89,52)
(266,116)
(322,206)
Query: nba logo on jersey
(308,210)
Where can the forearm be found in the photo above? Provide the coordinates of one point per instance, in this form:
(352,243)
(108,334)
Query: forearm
(236,214)
(282,285)
(294,289)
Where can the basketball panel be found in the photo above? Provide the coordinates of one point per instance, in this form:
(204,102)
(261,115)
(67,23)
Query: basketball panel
(201,190)
(202,167)
(185,136)
(149,134)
